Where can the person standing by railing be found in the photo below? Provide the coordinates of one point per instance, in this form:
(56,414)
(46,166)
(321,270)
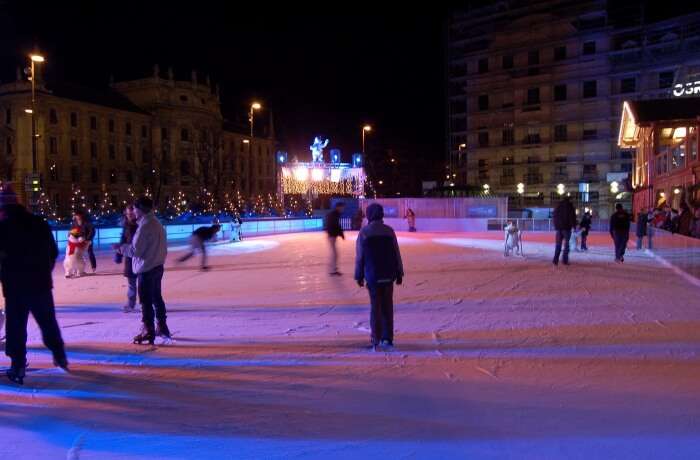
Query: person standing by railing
(585,226)
(88,232)
(334,230)
(129,227)
(642,227)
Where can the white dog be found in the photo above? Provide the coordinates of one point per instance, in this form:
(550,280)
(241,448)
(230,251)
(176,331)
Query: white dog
(73,263)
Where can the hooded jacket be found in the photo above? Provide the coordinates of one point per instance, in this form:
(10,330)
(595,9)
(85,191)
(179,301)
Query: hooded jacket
(378,259)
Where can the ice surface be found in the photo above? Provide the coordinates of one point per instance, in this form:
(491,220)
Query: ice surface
(495,358)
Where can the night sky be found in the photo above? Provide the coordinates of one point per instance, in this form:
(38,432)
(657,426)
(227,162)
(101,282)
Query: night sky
(320,71)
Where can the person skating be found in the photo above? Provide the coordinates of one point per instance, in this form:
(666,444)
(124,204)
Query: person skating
(585,227)
(564,221)
(88,233)
(378,265)
(620,231)
(411,220)
(28,253)
(148,250)
(129,227)
(198,243)
(642,230)
(334,230)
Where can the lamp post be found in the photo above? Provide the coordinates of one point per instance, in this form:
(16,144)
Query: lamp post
(34,59)
(365,130)
(253,107)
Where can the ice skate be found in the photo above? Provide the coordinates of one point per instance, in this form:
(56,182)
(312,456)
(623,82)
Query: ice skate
(162,330)
(16,374)
(61,362)
(146,335)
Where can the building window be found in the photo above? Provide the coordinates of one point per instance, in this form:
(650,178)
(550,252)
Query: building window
(145,156)
(144,131)
(533,136)
(484,139)
(184,168)
(112,152)
(129,154)
(507,136)
(560,53)
(483,65)
(666,79)
(73,120)
(589,48)
(183,98)
(508,61)
(164,134)
(8,146)
(113,177)
(74,147)
(484,102)
(559,93)
(53,173)
(184,135)
(590,171)
(533,58)
(93,175)
(533,96)
(127,128)
(93,150)
(628,85)
(560,133)
(74,174)
(53,117)
(110,126)
(8,116)
(590,133)
(130,176)
(590,89)
(93,123)
(53,145)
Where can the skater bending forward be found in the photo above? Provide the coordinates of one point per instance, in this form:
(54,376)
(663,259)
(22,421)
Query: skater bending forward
(148,250)
(378,264)
(198,241)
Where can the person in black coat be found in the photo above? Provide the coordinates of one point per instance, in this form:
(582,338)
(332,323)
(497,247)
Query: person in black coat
(129,227)
(642,224)
(334,230)
(585,226)
(620,231)
(198,240)
(564,221)
(87,230)
(28,254)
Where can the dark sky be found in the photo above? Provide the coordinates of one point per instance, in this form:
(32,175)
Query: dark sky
(320,71)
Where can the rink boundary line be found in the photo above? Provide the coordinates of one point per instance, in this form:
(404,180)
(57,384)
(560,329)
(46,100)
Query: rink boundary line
(687,276)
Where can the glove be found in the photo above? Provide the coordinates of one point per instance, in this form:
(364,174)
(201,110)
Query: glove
(361,283)
(399,281)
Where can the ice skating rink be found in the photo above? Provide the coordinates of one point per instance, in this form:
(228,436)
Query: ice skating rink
(495,358)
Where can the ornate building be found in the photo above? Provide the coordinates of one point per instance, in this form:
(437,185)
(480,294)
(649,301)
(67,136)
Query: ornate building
(157,134)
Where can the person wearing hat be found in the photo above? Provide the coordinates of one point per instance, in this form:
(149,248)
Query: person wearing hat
(148,249)
(378,264)
(28,253)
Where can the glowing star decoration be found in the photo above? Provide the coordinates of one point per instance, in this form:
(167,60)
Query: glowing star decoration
(335,175)
(317,149)
(301,173)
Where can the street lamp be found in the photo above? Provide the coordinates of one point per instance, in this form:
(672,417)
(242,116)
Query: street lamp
(35,59)
(253,107)
(365,130)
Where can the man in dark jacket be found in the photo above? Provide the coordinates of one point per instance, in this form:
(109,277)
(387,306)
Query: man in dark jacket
(620,231)
(334,230)
(88,231)
(198,240)
(564,222)
(28,253)
(642,223)
(378,263)
(585,226)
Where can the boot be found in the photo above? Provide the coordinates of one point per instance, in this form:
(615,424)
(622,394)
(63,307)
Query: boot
(61,362)
(16,374)
(162,330)
(147,334)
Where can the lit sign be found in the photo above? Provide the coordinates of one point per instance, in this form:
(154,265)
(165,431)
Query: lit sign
(687,89)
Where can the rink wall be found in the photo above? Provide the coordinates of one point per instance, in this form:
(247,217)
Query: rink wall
(680,252)
(106,236)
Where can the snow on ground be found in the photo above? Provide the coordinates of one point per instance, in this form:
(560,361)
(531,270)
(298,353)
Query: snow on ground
(496,358)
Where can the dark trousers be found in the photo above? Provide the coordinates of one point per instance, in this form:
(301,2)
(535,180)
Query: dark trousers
(149,286)
(91,256)
(620,244)
(381,318)
(584,240)
(197,244)
(17,309)
(563,236)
